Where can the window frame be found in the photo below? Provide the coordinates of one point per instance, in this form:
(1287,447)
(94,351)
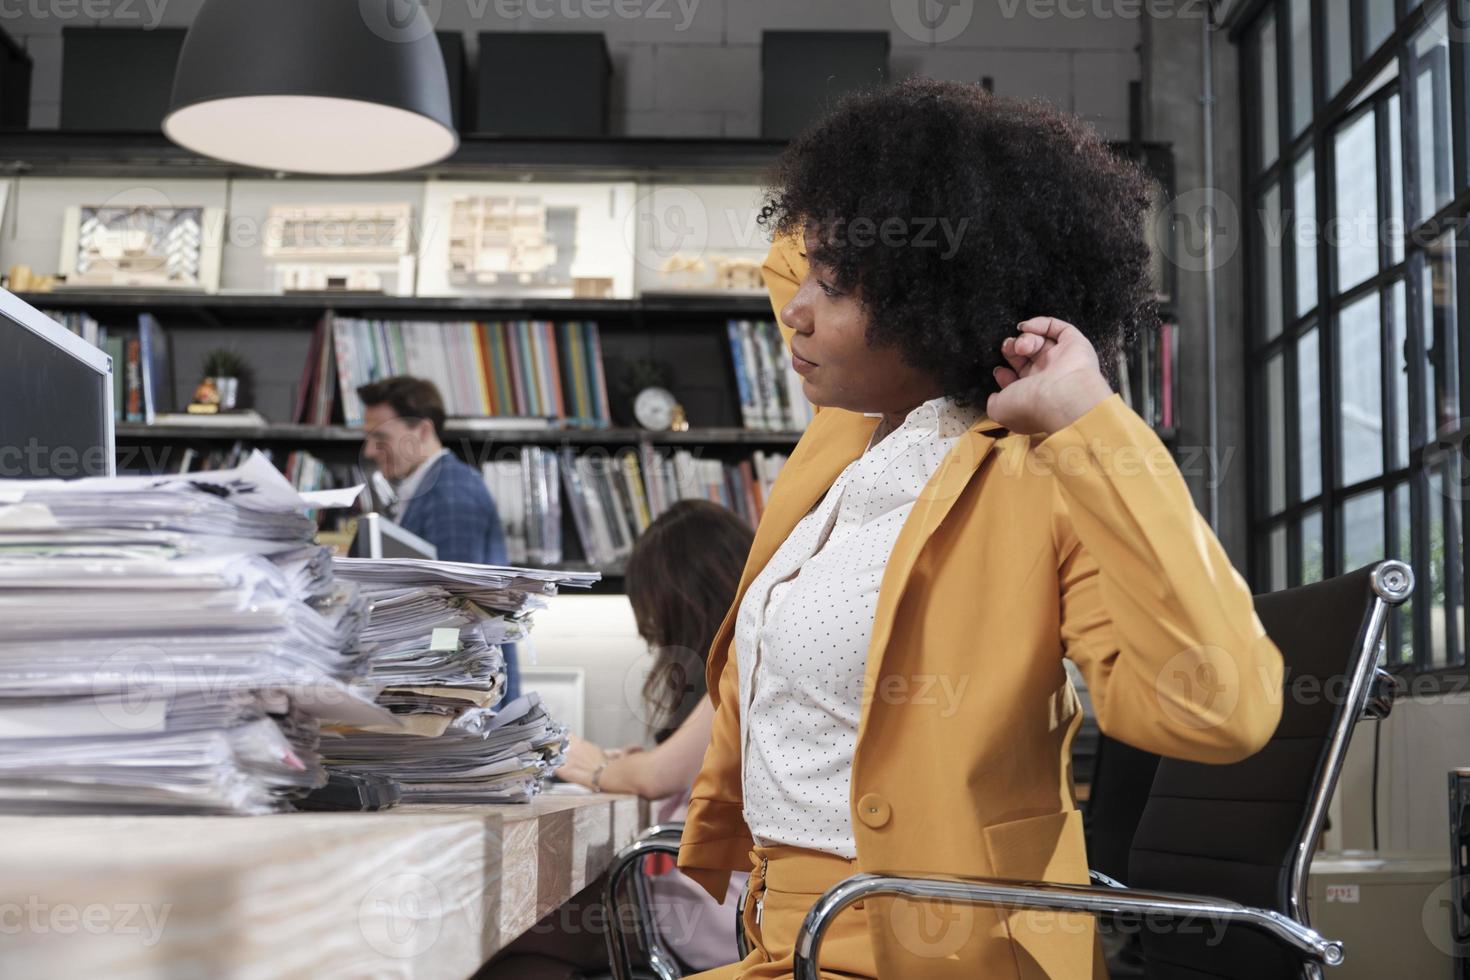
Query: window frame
(1357,96)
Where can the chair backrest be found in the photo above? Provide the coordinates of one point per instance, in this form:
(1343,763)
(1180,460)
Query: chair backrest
(1122,777)
(1246,831)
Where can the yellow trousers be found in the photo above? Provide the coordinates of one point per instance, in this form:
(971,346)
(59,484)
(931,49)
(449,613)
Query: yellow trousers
(785,883)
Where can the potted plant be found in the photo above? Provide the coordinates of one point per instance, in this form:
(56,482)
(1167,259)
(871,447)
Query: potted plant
(224,368)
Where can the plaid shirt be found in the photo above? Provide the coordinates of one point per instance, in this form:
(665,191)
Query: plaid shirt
(452,510)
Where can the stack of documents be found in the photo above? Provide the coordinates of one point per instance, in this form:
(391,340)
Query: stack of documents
(171,644)
(433,643)
(484,756)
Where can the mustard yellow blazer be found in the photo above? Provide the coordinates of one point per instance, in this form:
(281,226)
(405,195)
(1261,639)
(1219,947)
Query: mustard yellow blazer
(1021,550)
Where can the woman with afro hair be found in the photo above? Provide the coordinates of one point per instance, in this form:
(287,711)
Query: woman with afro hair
(954,274)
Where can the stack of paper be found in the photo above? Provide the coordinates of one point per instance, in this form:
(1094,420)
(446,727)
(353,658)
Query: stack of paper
(433,649)
(484,756)
(171,643)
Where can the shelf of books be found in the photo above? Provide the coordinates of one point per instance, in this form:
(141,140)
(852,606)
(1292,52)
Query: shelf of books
(542,300)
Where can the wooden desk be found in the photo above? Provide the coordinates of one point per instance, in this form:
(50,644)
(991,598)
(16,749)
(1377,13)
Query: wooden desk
(418,891)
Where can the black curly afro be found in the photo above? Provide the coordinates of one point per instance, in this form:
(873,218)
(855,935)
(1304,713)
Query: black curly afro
(957,214)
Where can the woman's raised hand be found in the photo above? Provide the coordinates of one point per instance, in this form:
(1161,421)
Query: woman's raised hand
(1050,379)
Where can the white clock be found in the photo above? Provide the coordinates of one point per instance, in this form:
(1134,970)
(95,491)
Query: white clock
(655,409)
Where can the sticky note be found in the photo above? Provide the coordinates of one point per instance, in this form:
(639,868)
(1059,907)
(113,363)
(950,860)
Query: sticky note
(445,638)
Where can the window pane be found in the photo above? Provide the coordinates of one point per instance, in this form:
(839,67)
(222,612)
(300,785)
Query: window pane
(1446,614)
(1362,530)
(1275,435)
(1379,24)
(1440,343)
(1271,234)
(1301,64)
(1277,557)
(1311,532)
(1395,227)
(1339,45)
(1360,388)
(1304,232)
(1399,352)
(1309,429)
(1269,96)
(1403,548)
(1432,91)
(1355,231)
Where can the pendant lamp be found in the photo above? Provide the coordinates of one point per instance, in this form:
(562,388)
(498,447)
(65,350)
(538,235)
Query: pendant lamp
(313,86)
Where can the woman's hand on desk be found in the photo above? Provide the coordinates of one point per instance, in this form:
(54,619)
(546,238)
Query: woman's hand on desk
(1051,378)
(583,760)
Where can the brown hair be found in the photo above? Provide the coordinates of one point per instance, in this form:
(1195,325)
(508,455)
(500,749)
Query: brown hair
(681,579)
(411,398)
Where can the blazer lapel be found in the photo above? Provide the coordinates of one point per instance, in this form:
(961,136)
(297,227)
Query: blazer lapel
(938,496)
(833,439)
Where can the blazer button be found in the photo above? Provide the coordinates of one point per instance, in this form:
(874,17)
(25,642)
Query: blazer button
(873,810)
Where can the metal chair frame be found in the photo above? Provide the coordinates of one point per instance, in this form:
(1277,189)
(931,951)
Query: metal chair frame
(1391,582)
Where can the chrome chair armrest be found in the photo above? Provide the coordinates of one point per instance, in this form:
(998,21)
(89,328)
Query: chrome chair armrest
(658,839)
(1050,896)
(742,941)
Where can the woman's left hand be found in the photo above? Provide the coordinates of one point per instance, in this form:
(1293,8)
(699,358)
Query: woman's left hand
(583,759)
(1052,379)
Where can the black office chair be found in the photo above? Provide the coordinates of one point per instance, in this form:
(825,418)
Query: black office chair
(624,875)
(1242,834)
(1122,777)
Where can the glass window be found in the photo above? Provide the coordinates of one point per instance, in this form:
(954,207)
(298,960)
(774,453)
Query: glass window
(1360,388)
(1403,548)
(1275,480)
(1378,25)
(1277,558)
(1441,402)
(1271,235)
(1362,530)
(1398,339)
(1446,614)
(1312,549)
(1355,227)
(1269,97)
(1309,423)
(1395,228)
(1339,45)
(1432,93)
(1300,66)
(1304,232)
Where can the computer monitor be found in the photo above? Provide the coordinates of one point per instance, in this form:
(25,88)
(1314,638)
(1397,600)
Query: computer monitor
(55,399)
(378,537)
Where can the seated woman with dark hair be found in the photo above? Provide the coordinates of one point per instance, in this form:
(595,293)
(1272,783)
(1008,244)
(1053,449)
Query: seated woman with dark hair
(972,504)
(680,579)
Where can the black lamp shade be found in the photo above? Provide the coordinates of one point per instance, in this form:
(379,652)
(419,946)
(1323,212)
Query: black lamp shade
(313,86)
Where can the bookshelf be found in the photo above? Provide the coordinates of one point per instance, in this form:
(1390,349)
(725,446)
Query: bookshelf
(273,331)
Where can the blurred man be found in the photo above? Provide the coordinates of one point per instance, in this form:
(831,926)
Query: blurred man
(441,499)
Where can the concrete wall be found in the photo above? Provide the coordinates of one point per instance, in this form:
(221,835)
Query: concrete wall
(692,67)
(1173,86)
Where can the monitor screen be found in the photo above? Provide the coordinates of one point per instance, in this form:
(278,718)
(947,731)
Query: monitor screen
(55,399)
